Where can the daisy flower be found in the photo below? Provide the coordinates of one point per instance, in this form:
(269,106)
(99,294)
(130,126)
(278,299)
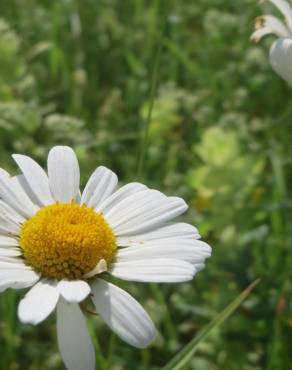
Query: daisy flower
(62,244)
(281,50)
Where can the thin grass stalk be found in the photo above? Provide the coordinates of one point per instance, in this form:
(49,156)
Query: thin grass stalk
(186,354)
(153,90)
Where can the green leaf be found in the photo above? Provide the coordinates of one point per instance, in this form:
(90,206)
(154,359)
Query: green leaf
(185,355)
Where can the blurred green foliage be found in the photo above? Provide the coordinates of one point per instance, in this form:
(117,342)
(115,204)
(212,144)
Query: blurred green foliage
(80,73)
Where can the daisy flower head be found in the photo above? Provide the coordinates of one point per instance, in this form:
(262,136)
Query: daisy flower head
(281,50)
(62,243)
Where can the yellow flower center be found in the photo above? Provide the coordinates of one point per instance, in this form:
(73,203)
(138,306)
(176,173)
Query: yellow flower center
(67,240)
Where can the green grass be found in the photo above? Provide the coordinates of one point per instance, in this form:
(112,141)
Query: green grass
(173,94)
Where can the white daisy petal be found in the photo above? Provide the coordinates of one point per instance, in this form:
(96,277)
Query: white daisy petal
(177,230)
(10,213)
(16,278)
(25,186)
(286,9)
(277,26)
(73,338)
(100,267)
(36,178)
(10,221)
(199,267)
(160,270)
(258,34)
(123,314)
(10,252)
(73,290)
(132,205)
(281,58)
(144,211)
(121,194)
(78,197)
(38,303)
(8,228)
(99,187)
(8,242)
(20,188)
(268,24)
(189,251)
(12,263)
(64,175)
(13,194)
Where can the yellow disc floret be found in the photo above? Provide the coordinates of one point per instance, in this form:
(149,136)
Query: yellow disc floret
(66,240)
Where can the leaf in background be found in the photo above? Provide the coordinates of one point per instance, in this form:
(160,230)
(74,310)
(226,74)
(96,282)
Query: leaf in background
(218,146)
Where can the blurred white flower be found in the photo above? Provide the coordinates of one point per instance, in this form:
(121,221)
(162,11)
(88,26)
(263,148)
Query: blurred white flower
(281,50)
(62,243)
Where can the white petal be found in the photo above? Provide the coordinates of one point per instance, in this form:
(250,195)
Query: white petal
(13,194)
(100,267)
(121,194)
(258,34)
(74,290)
(161,270)
(8,227)
(144,211)
(16,278)
(73,338)
(64,175)
(13,263)
(6,241)
(123,314)
(10,252)
(189,251)
(268,24)
(38,303)
(78,197)
(36,178)
(24,184)
(20,188)
(9,212)
(132,205)
(99,187)
(10,221)
(281,58)
(277,26)
(286,9)
(177,230)
(200,267)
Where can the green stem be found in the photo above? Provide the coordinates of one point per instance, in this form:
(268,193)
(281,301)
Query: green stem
(159,297)
(101,361)
(109,356)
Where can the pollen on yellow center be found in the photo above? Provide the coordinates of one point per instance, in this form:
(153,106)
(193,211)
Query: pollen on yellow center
(67,240)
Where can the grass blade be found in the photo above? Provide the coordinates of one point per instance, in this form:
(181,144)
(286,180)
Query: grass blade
(184,356)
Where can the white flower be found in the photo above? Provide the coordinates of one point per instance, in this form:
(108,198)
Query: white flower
(281,50)
(61,242)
